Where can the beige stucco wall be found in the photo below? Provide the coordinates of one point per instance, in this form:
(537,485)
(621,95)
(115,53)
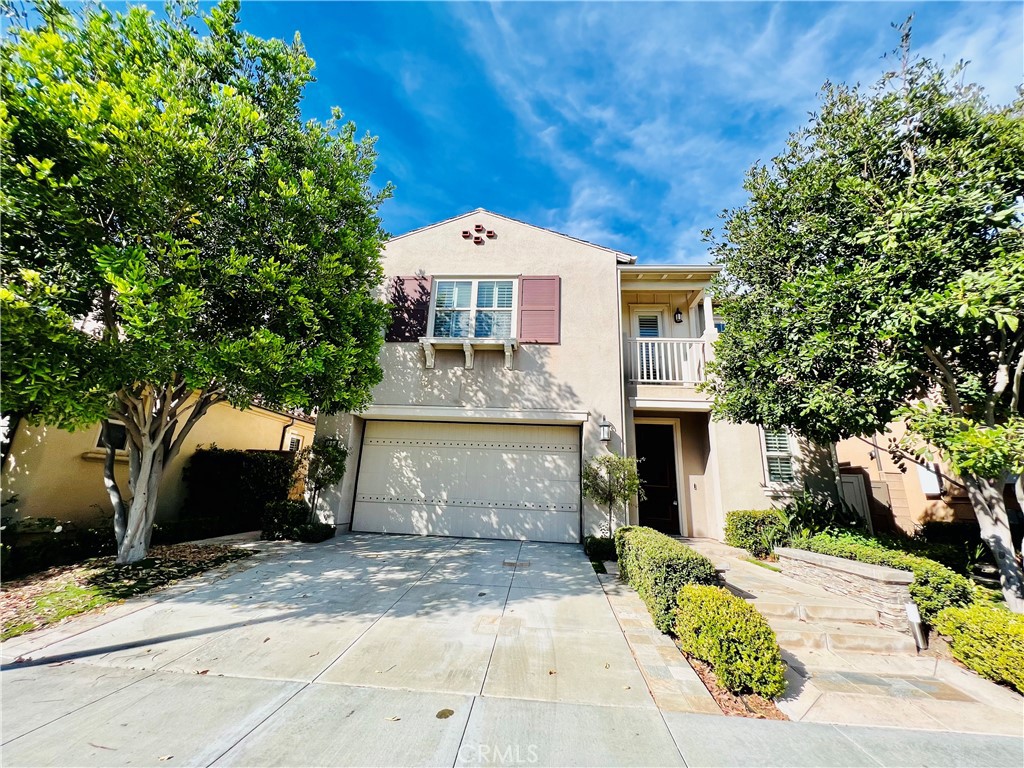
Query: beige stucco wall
(56,473)
(582,373)
(910,506)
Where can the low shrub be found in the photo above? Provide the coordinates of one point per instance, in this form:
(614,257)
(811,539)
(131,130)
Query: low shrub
(657,567)
(599,548)
(987,638)
(313,533)
(718,627)
(238,485)
(758,531)
(934,588)
(35,544)
(284,519)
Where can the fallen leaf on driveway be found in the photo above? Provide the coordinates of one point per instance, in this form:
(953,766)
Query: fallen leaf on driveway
(266,639)
(552,672)
(393,718)
(203,672)
(607,666)
(316,653)
(100,746)
(165,758)
(444,714)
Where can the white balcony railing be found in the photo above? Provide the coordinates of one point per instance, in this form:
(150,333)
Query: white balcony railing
(665,361)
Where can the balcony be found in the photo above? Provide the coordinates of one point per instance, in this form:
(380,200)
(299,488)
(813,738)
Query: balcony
(678,362)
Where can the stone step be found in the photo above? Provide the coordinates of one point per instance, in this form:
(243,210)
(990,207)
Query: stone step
(840,637)
(830,612)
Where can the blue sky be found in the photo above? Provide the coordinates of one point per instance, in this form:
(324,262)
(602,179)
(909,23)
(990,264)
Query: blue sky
(630,125)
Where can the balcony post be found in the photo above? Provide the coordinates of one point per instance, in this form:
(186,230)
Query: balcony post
(709,318)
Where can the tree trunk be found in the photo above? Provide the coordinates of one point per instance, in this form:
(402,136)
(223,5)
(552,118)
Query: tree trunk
(110,482)
(135,544)
(990,507)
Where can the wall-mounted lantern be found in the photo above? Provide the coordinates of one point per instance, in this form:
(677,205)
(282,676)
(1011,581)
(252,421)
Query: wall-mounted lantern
(678,316)
(605,428)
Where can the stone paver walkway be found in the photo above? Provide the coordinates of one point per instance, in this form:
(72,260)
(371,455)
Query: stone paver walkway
(843,669)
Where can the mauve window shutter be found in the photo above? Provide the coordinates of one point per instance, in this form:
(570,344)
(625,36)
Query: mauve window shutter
(540,309)
(410,308)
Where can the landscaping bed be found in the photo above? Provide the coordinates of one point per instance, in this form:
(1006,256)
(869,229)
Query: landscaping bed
(733,704)
(53,595)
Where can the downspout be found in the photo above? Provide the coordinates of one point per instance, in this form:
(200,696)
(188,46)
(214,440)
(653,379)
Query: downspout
(284,432)
(621,367)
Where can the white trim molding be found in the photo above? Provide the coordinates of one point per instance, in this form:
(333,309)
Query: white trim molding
(455,413)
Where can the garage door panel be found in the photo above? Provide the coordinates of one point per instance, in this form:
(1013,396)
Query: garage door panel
(473,480)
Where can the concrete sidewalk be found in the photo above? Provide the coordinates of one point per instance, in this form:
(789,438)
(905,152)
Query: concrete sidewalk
(378,650)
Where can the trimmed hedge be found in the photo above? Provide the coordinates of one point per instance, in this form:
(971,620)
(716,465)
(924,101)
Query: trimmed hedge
(934,588)
(718,627)
(236,486)
(987,638)
(657,567)
(758,531)
(599,548)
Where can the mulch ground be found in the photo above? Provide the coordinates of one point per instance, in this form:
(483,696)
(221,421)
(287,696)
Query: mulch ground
(731,704)
(55,594)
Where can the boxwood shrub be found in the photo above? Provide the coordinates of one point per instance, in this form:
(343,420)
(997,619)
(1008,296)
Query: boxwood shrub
(599,548)
(934,588)
(987,638)
(718,627)
(657,566)
(291,520)
(758,531)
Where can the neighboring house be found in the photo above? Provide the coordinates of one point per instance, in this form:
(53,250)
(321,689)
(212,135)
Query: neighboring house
(59,474)
(903,494)
(513,349)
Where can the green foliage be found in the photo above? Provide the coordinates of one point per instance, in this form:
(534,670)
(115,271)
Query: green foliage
(934,588)
(811,512)
(878,253)
(175,234)
(283,519)
(718,627)
(611,480)
(599,548)
(657,566)
(988,639)
(236,486)
(315,532)
(35,544)
(968,445)
(758,531)
(324,464)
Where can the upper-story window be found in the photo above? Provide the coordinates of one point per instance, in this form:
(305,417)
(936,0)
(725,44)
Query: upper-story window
(480,309)
(778,456)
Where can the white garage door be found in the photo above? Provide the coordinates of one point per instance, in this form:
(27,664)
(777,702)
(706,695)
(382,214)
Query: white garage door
(496,481)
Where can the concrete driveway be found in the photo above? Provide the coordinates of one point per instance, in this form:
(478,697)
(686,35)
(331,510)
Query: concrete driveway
(390,650)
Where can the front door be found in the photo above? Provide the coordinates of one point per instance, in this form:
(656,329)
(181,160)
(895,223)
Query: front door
(656,446)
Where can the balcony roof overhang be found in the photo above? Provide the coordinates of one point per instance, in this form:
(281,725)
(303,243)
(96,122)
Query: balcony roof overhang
(669,271)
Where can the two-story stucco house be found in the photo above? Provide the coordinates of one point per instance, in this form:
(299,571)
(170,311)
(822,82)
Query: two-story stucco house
(515,355)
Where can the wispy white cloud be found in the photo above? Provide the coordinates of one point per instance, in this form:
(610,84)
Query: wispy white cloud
(651,114)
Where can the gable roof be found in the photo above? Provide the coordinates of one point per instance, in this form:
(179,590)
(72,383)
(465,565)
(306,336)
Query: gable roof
(620,257)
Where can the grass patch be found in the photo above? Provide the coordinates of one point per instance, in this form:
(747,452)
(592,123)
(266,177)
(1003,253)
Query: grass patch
(69,590)
(763,564)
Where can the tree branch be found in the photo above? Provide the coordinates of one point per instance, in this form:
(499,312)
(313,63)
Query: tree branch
(950,380)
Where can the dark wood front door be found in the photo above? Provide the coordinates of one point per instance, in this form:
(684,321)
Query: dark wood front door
(656,445)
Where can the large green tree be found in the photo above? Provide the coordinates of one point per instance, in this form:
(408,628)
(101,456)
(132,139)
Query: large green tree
(175,235)
(877,273)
